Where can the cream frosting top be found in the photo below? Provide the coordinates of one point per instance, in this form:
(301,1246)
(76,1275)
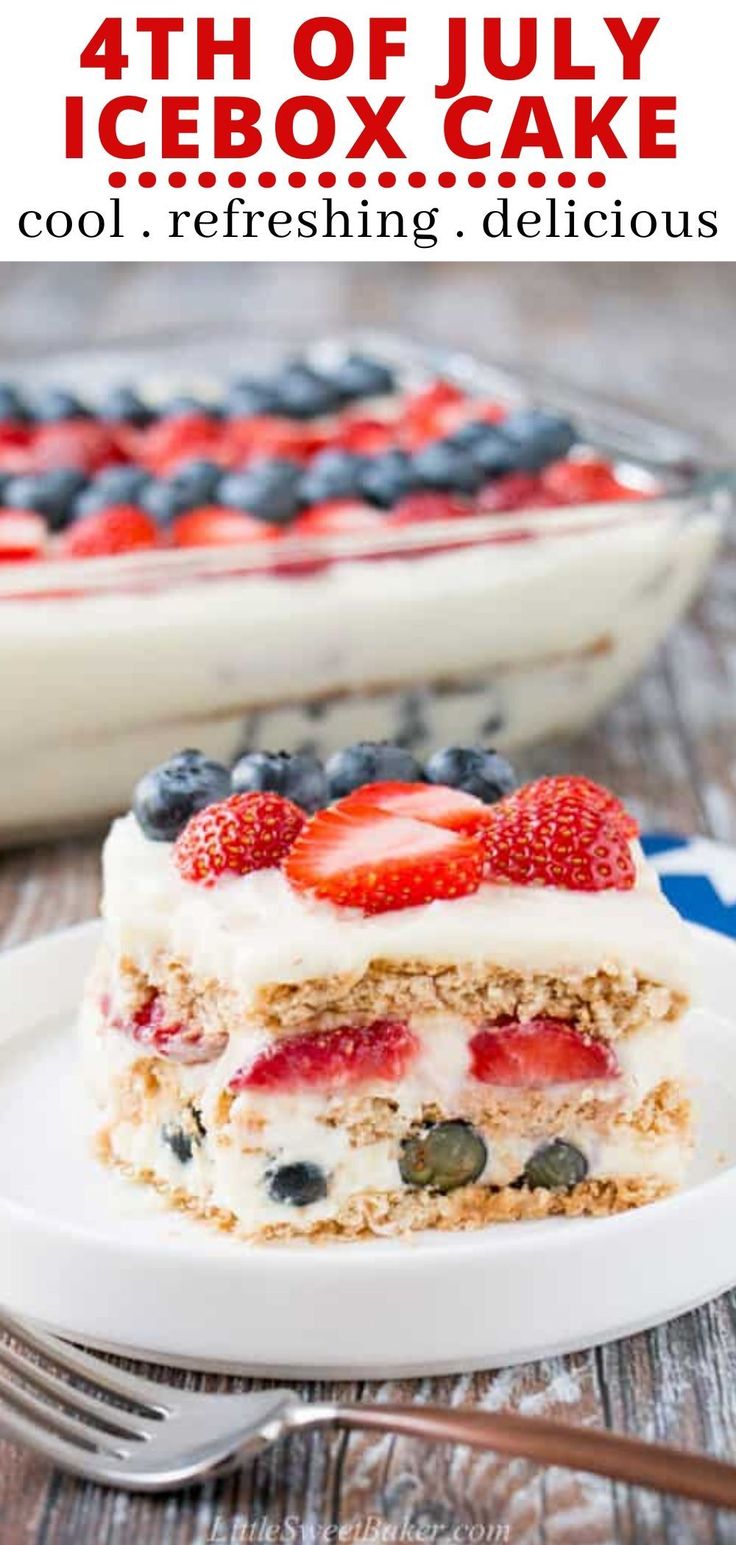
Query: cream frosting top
(254,930)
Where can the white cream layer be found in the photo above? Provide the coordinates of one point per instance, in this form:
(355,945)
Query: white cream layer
(247,932)
(223,1177)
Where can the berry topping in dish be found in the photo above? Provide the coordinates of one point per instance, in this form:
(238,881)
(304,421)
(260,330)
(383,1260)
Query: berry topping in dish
(22,536)
(119,528)
(279,448)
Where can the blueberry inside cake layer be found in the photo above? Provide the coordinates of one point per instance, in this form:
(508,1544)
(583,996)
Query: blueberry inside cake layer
(415,1007)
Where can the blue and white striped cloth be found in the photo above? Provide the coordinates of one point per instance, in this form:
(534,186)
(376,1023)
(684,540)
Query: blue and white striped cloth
(698,876)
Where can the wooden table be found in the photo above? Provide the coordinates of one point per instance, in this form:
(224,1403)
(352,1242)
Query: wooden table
(670,748)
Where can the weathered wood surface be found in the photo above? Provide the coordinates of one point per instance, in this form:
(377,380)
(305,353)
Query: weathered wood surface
(669,747)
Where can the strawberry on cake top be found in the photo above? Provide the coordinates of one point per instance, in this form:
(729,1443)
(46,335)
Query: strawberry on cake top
(412,1007)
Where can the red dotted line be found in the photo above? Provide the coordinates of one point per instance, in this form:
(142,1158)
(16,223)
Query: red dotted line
(358,179)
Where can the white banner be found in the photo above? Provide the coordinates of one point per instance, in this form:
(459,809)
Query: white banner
(573,133)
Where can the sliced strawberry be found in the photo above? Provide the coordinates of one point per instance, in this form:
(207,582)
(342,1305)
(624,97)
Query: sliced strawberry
(337,517)
(448,808)
(214,526)
(14,435)
(332,1059)
(416,509)
(121,528)
(23,535)
(515,491)
(265,435)
(176,1042)
(237,836)
(535,1053)
(429,414)
(313,438)
(77,442)
(16,459)
(564,832)
(586,481)
(364,436)
(16,448)
(169,441)
(379,862)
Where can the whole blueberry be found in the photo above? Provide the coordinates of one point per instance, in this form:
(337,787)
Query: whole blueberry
(114,485)
(370,761)
(555,1166)
(298,776)
(297,1184)
(180,1142)
(388,478)
(305,393)
(51,494)
(121,405)
(538,437)
(333,474)
(268,489)
(486,774)
(448,467)
(52,405)
(165,498)
(169,794)
(444,1156)
(248,398)
(360,376)
(200,478)
(491,449)
(13,410)
(182,1137)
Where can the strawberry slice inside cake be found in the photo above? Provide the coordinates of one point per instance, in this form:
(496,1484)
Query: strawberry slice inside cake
(411,1008)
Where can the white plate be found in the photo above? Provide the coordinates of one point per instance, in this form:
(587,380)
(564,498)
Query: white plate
(92,1254)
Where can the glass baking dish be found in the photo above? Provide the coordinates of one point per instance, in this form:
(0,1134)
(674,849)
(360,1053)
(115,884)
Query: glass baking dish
(500,628)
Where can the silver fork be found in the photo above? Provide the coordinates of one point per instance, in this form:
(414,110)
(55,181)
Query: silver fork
(131,1432)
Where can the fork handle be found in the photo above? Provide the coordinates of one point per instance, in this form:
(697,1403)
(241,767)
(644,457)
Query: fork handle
(548,1442)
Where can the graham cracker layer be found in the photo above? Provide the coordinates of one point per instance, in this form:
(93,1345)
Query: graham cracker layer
(664,1112)
(604,1003)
